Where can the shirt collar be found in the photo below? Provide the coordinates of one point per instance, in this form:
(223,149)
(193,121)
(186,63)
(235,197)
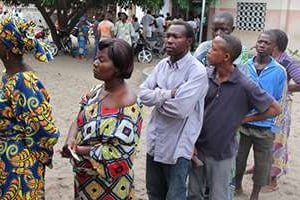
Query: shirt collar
(271,63)
(233,77)
(179,63)
(282,57)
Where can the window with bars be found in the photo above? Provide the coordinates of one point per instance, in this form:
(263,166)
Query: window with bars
(251,16)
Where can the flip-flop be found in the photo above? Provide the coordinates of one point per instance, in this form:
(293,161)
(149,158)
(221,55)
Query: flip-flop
(238,192)
(269,188)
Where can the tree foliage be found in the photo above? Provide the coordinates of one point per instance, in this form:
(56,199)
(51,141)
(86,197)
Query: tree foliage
(69,11)
(185,4)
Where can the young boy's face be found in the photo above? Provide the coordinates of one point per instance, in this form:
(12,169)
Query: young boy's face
(264,45)
(217,55)
(221,26)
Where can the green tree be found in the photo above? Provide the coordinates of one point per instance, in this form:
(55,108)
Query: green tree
(69,11)
(186,5)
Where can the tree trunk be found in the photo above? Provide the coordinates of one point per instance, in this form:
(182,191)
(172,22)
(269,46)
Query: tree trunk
(76,14)
(61,14)
(66,22)
(50,24)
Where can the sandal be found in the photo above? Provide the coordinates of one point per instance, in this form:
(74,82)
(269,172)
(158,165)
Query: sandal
(269,188)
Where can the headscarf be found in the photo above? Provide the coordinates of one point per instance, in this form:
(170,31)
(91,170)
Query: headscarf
(19,36)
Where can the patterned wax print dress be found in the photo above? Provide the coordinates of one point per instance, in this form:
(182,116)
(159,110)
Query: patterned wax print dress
(82,40)
(280,144)
(27,136)
(113,133)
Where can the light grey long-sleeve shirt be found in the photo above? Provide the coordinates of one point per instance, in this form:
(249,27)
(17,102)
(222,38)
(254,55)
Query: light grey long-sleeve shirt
(175,123)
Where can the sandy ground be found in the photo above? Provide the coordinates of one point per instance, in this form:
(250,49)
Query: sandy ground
(67,79)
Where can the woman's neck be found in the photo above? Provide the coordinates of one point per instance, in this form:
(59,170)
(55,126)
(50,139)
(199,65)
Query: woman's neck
(114,85)
(15,66)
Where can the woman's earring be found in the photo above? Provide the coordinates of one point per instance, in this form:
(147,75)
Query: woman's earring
(7,56)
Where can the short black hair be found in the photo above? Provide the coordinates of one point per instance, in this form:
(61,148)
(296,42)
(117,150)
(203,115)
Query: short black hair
(225,15)
(269,33)
(189,31)
(233,46)
(121,54)
(281,39)
(123,13)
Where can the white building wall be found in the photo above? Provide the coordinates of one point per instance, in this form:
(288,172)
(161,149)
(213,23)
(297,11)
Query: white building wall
(164,10)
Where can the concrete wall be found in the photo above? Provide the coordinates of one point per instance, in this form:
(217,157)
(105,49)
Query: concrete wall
(282,14)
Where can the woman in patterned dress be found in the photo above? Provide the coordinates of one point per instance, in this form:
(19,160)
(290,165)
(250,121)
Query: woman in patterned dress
(83,38)
(27,129)
(107,129)
(280,144)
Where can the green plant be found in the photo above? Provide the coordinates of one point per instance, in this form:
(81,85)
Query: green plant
(294,53)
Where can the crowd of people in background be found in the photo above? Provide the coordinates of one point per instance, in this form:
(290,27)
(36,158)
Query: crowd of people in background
(127,28)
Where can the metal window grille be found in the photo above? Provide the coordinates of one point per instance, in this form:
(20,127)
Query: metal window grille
(251,16)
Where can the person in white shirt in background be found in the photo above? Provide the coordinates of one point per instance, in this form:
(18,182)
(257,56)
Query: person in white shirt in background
(160,21)
(148,22)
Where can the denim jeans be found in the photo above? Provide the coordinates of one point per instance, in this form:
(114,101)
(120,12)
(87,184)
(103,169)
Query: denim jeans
(165,181)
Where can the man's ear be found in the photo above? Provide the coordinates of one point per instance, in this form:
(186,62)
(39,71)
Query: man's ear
(227,57)
(190,41)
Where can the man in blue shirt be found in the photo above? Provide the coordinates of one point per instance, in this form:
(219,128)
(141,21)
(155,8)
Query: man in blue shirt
(271,77)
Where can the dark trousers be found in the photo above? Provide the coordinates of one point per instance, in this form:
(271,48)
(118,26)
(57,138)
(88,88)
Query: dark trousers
(165,181)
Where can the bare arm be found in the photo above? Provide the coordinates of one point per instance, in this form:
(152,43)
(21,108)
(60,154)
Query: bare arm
(273,111)
(83,150)
(112,31)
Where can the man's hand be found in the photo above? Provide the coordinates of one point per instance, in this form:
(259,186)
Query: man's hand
(196,161)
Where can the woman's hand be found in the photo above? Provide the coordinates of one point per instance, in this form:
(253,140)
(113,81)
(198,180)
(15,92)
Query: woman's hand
(82,150)
(70,142)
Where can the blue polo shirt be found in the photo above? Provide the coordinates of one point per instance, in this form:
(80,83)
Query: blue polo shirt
(273,80)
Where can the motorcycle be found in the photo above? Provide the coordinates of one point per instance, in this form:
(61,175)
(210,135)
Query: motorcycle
(146,49)
(141,48)
(65,41)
